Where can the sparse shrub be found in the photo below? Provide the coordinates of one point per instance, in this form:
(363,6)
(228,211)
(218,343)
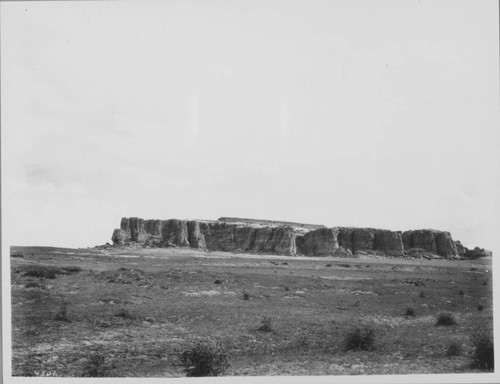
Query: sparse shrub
(266,324)
(62,313)
(96,366)
(33,284)
(204,357)
(40,271)
(482,355)
(47,271)
(410,312)
(454,348)
(361,337)
(124,313)
(446,318)
(246,295)
(421,294)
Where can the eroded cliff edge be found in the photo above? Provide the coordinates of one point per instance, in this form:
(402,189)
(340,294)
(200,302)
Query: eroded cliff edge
(286,238)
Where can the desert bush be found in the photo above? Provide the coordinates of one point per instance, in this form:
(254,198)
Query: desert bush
(482,354)
(124,313)
(454,348)
(360,337)
(266,324)
(203,356)
(410,312)
(445,318)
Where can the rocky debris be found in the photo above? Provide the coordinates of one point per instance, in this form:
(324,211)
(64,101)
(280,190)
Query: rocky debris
(287,238)
(475,253)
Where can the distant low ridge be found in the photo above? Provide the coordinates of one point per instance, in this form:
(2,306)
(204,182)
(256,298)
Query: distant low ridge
(232,234)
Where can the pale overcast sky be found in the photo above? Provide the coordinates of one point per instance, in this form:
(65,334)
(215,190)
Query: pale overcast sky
(345,113)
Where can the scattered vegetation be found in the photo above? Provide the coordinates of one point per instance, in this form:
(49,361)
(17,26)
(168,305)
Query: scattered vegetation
(147,326)
(445,318)
(203,356)
(360,337)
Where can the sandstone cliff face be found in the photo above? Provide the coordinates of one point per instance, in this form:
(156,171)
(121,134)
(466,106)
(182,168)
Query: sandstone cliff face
(195,236)
(232,237)
(321,242)
(388,241)
(433,241)
(370,239)
(253,236)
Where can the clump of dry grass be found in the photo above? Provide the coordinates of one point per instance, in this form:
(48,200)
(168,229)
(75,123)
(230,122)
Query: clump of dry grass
(360,337)
(445,318)
(203,356)
(410,312)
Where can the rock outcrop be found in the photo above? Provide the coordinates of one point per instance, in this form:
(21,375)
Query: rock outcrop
(287,238)
(321,242)
(437,242)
